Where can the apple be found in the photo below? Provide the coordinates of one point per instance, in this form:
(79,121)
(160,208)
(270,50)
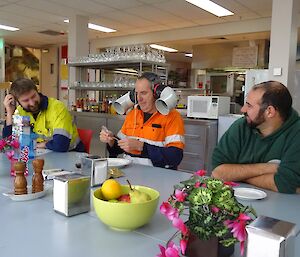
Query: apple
(124,198)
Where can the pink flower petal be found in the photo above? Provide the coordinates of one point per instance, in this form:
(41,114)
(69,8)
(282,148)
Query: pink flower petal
(179,224)
(183,244)
(162,251)
(15,144)
(215,209)
(200,173)
(167,210)
(197,184)
(172,250)
(180,196)
(244,216)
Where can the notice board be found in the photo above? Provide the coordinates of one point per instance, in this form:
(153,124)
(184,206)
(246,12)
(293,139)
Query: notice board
(245,57)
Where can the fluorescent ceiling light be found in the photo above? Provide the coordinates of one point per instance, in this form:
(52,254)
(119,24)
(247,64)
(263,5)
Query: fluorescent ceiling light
(189,55)
(167,49)
(211,7)
(8,28)
(96,27)
(100,28)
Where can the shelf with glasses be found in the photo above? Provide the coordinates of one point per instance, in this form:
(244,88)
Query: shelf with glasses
(101,82)
(115,64)
(94,88)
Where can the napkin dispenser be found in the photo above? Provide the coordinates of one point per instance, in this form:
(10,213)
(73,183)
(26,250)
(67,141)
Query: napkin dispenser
(95,167)
(269,237)
(71,194)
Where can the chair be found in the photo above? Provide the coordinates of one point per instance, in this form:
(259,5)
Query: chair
(85,136)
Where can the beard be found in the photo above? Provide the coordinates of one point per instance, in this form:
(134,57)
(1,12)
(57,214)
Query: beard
(258,120)
(33,108)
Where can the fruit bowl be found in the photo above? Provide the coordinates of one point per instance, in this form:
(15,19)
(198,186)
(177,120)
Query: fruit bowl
(126,216)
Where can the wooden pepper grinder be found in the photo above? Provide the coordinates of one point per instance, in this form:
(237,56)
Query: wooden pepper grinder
(20,183)
(37,179)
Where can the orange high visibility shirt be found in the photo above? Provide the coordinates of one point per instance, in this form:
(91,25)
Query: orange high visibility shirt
(159,130)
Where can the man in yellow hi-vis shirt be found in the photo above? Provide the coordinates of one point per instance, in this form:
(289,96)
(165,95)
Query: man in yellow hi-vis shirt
(49,117)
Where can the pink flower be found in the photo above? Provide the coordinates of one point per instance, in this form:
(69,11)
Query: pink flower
(183,244)
(179,224)
(200,173)
(15,144)
(238,228)
(197,184)
(231,183)
(2,144)
(10,154)
(167,210)
(215,209)
(180,195)
(171,251)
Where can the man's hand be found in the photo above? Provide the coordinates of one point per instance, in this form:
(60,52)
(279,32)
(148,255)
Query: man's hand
(129,144)
(10,106)
(106,136)
(41,145)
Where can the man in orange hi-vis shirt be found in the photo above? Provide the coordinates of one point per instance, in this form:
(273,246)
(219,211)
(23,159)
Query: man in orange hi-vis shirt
(146,133)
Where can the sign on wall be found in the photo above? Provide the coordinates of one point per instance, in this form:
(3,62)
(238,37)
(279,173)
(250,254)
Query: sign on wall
(245,57)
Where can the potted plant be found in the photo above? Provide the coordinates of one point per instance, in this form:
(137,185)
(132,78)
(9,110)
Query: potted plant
(212,215)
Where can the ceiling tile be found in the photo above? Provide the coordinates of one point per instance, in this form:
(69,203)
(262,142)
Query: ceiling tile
(156,15)
(49,7)
(86,6)
(119,4)
(128,19)
(183,9)
(153,1)
(14,9)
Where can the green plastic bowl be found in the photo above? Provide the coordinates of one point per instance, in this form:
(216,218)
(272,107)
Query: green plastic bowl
(126,216)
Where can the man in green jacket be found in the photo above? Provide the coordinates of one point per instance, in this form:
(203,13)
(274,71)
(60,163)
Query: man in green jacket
(49,117)
(262,148)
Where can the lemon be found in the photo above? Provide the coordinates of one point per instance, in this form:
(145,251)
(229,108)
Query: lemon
(111,189)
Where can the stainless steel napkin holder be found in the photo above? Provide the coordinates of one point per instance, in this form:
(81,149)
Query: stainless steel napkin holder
(269,237)
(71,194)
(88,164)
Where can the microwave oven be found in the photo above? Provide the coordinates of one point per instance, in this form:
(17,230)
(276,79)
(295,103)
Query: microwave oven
(207,107)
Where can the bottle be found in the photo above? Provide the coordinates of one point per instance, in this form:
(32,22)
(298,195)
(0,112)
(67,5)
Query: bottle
(103,107)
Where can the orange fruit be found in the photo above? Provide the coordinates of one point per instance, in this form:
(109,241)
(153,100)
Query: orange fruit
(111,189)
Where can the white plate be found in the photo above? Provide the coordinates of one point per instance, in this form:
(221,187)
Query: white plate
(117,162)
(29,196)
(245,193)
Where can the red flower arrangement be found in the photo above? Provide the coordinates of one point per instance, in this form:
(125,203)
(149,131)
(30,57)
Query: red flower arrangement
(9,146)
(211,210)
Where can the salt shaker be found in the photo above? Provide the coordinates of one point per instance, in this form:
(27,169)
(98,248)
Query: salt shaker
(20,183)
(37,179)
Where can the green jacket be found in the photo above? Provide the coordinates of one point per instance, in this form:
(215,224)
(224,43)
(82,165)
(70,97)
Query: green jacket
(243,145)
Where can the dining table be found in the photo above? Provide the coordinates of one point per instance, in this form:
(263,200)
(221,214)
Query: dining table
(33,229)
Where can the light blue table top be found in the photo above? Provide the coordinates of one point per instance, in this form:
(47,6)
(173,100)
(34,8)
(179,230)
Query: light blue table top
(33,229)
